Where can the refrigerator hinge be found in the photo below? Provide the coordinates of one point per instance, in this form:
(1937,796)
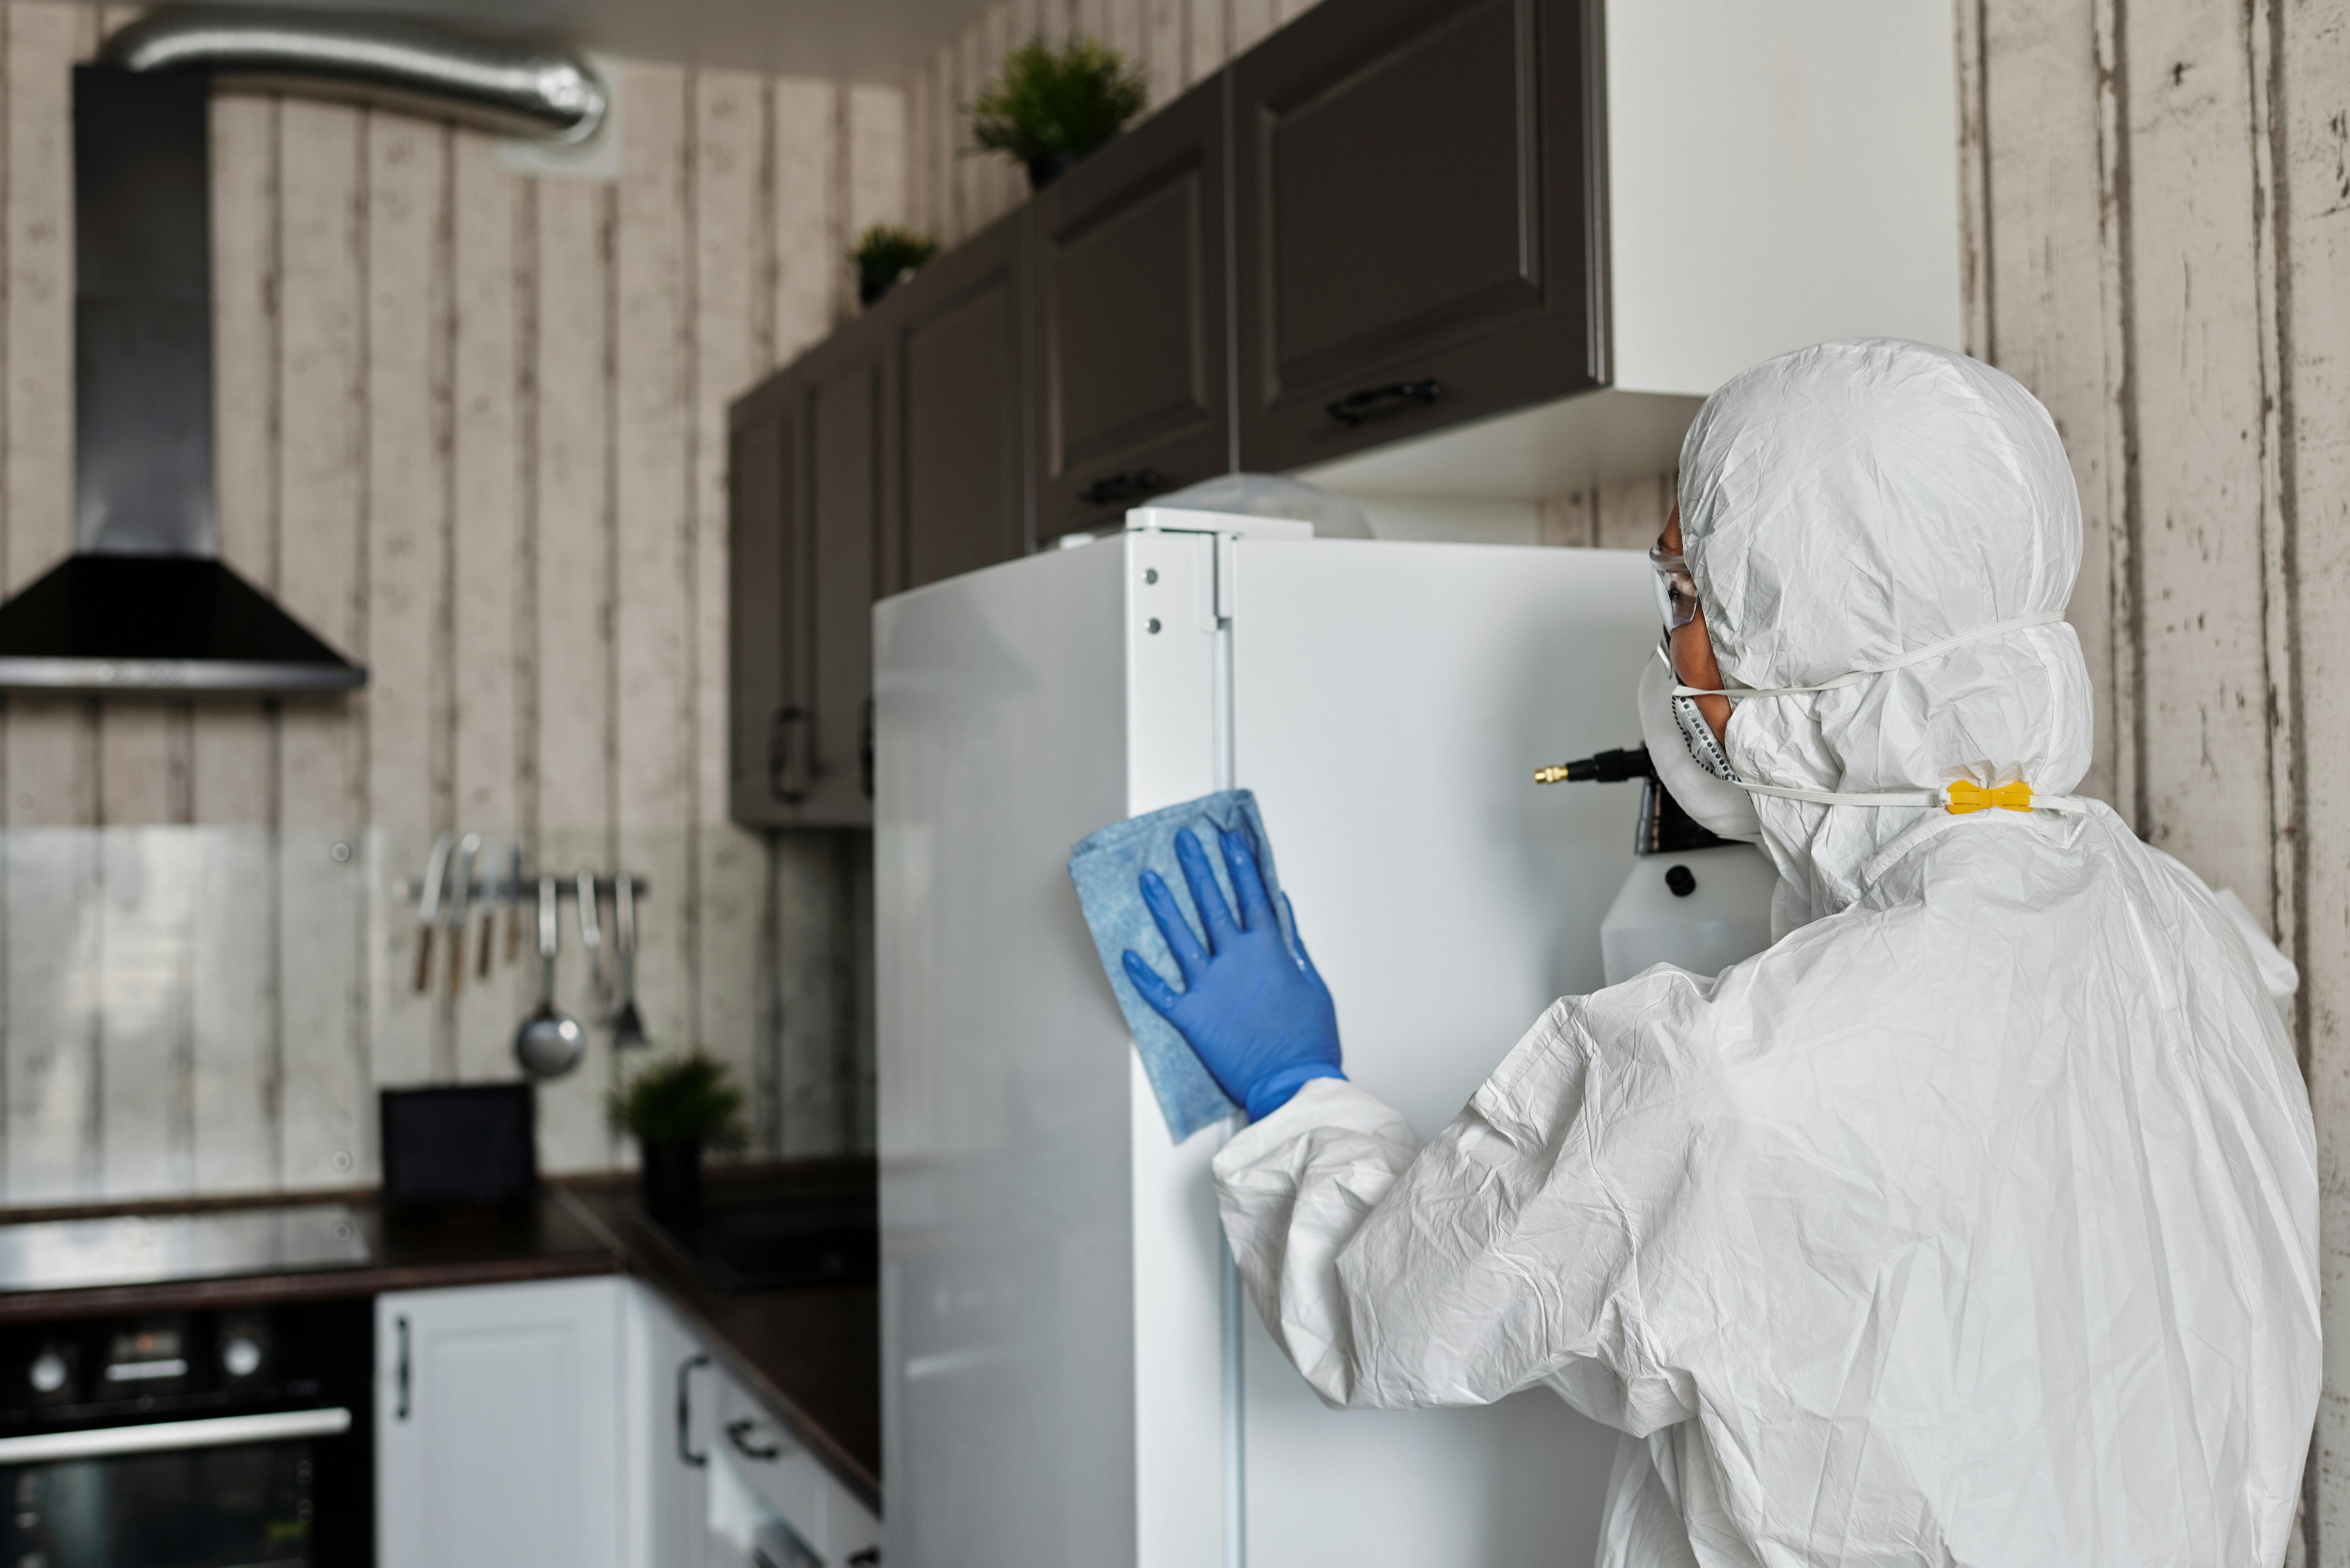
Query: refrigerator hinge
(1227,577)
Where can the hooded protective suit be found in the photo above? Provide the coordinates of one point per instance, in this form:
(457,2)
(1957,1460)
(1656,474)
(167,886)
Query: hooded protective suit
(1974,1222)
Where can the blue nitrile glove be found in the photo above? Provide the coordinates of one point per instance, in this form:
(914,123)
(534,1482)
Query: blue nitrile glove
(1260,1021)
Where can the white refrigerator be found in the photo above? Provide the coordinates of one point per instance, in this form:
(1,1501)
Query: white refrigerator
(1068,1376)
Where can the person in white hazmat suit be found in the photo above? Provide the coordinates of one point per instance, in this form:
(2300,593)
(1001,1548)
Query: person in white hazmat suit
(1974,1222)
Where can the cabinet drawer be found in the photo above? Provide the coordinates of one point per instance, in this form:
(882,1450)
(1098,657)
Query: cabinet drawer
(786,1476)
(1416,221)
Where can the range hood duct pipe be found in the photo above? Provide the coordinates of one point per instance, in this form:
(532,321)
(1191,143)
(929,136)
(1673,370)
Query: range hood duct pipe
(516,87)
(145,605)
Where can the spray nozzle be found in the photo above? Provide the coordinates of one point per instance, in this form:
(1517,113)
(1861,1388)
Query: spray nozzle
(1603,767)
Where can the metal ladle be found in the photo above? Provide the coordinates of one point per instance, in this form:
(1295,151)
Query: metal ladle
(548,1045)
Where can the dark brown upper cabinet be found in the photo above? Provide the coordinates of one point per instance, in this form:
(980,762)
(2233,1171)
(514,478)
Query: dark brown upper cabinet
(842,418)
(768,689)
(1416,221)
(957,463)
(805,515)
(1130,302)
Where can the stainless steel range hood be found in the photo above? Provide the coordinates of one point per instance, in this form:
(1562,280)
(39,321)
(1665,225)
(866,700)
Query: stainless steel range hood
(144,605)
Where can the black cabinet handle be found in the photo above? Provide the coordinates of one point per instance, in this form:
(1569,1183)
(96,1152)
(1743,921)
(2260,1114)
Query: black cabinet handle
(738,1434)
(786,772)
(1356,407)
(869,1558)
(401,1411)
(1112,488)
(685,1410)
(865,750)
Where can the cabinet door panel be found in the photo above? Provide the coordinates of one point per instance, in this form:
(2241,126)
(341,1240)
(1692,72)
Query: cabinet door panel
(787,1478)
(959,370)
(497,1427)
(668,1501)
(1131,307)
(843,419)
(764,590)
(1353,156)
(1416,209)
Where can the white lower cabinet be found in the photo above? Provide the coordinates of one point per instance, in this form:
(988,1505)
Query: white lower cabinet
(585,1424)
(497,1426)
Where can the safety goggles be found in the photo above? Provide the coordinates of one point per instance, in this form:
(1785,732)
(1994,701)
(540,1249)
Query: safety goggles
(1676,589)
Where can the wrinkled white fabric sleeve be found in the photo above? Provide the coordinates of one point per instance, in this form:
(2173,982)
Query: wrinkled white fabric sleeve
(1396,1276)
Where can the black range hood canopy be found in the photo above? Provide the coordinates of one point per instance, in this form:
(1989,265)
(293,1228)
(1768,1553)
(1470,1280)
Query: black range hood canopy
(145,605)
(178,624)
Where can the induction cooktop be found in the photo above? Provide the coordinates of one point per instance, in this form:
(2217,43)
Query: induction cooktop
(143,1250)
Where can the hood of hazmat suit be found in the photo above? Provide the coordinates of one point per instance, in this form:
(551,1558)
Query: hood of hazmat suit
(1974,1222)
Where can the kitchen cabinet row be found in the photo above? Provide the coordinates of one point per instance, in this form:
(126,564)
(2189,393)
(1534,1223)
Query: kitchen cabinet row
(1381,221)
(585,1423)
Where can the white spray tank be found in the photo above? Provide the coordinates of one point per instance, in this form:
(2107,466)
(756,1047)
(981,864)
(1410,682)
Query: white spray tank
(1694,901)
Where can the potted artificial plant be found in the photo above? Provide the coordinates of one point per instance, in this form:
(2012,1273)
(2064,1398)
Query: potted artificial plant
(675,1109)
(886,255)
(1051,107)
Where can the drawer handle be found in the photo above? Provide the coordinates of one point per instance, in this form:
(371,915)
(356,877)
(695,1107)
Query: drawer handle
(1112,488)
(400,1414)
(685,1410)
(1352,408)
(865,750)
(738,1434)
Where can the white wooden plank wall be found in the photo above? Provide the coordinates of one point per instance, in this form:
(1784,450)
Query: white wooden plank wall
(953,191)
(472,430)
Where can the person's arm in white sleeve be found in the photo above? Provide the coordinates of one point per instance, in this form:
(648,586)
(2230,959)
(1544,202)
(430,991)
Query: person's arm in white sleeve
(1394,1275)
(1390,1274)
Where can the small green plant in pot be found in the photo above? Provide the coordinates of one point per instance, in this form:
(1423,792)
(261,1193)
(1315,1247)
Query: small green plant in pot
(675,1109)
(1051,107)
(886,256)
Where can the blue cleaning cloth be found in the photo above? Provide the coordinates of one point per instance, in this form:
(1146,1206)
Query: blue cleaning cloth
(1108,869)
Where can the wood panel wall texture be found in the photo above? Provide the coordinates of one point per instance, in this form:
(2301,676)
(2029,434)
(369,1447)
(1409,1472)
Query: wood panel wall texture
(472,430)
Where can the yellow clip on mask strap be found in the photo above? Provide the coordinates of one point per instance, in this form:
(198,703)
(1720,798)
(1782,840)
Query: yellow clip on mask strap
(1960,797)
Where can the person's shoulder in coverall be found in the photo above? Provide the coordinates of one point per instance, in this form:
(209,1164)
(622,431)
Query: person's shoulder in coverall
(1972,1222)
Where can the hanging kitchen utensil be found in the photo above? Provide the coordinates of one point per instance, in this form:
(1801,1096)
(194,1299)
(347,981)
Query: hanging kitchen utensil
(548,1045)
(628,1026)
(460,898)
(591,937)
(513,898)
(428,906)
(493,893)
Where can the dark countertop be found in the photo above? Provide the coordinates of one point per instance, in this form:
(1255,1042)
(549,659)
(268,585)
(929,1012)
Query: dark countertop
(813,1353)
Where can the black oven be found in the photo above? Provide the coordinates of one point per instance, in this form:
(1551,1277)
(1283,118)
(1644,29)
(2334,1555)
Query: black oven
(241,1437)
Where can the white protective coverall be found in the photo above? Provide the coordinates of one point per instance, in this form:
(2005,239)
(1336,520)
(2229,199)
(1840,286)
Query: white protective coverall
(1974,1222)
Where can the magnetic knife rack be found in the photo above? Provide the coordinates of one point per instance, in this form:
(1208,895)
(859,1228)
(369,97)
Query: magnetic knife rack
(484,896)
(481,890)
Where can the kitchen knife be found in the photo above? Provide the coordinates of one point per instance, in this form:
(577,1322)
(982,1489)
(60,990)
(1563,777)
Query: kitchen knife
(428,906)
(513,898)
(461,899)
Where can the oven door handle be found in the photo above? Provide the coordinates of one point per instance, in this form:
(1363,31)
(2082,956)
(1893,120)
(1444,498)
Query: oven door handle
(153,1437)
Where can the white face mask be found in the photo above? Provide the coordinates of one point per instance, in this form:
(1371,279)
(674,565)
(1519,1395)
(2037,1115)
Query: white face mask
(1690,763)
(1705,760)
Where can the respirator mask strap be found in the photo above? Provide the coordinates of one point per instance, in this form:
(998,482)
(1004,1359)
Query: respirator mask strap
(1902,661)
(1960,797)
